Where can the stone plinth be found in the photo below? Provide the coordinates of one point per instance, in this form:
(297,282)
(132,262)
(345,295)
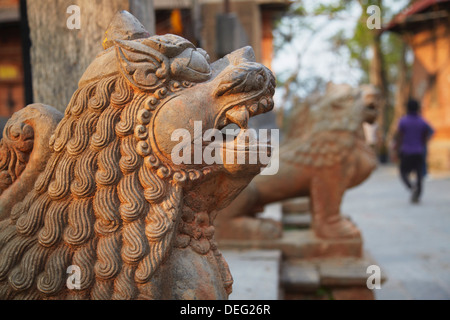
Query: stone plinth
(300,244)
(330,278)
(311,267)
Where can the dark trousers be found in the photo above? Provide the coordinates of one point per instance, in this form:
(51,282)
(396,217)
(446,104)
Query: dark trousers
(412,163)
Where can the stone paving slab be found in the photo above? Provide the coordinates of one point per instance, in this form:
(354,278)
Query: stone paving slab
(256,274)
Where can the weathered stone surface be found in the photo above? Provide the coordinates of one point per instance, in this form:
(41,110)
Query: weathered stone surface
(324,154)
(110,201)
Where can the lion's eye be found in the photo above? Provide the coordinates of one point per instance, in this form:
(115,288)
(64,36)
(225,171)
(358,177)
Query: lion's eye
(198,62)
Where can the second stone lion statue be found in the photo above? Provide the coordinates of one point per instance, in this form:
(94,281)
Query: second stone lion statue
(109,206)
(323,155)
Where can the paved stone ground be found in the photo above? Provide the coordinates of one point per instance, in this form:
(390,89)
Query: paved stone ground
(256,274)
(411,243)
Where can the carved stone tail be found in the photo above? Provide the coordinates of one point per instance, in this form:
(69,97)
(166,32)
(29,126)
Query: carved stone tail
(24,152)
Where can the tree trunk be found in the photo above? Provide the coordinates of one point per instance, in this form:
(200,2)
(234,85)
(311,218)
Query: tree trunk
(378,79)
(401,94)
(59,55)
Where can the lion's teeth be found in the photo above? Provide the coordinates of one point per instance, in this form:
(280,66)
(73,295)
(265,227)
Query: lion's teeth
(253,109)
(271,104)
(239,115)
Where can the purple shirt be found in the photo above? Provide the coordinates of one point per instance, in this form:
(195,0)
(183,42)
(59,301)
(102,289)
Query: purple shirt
(414,131)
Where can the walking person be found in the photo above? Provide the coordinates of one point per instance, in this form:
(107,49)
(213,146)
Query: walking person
(412,135)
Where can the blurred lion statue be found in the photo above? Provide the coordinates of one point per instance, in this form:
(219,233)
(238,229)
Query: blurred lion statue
(324,153)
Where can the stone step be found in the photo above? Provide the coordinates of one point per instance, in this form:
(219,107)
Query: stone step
(272,211)
(300,276)
(343,277)
(300,220)
(297,205)
(256,274)
(296,244)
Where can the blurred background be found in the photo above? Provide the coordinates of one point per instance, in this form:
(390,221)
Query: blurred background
(306,43)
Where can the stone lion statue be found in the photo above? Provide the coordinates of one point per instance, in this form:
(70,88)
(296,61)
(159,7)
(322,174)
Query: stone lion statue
(105,207)
(324,154)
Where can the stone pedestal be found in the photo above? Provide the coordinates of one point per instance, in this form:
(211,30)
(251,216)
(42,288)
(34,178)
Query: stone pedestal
(343,278)
(310,267)
(300,244)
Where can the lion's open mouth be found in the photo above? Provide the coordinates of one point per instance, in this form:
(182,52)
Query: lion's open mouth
(257,85)
(243,89)
(233,124)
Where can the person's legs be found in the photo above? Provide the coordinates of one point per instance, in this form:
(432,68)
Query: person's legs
(424,164)
(405,170)
(417,163)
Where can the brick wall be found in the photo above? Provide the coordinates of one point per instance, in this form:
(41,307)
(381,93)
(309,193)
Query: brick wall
(11,71)
(431,83)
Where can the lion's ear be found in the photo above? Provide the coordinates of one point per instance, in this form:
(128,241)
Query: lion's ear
(145,68)
(123,26)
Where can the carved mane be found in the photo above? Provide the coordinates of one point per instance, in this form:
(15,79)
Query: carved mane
(14,156)
(100,195)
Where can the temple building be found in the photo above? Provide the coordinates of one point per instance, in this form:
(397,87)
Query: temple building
(425,26)
(219,26)
(12,96)
(222,26)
